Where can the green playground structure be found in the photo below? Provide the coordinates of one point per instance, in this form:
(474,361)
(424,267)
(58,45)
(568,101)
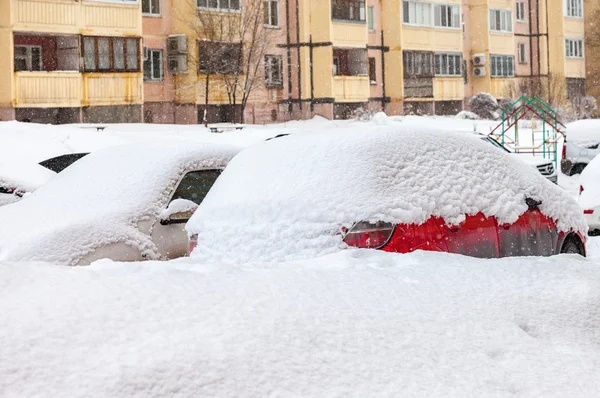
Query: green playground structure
(544,137)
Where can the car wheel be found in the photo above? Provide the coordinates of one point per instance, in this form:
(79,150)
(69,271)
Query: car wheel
(577,169)
(594,232)
(570,246)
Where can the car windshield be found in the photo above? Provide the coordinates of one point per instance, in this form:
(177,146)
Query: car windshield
(494,142)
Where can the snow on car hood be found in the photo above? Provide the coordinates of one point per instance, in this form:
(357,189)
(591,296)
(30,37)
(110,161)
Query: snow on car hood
(23,176)
(590,180)
(287,198)
(100,199)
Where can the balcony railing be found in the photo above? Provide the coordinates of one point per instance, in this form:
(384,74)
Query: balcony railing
(448,88)
(351,88)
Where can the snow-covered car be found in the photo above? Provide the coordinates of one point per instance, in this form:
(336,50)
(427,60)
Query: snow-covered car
(544,166)
(124,203)
(589,195)
(20,178)
(387,188)
(581,146)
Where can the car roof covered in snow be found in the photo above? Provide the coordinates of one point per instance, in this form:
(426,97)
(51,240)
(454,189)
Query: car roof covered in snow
(590,180)
(101,198)
(288,197)
(584,131)
(23,176)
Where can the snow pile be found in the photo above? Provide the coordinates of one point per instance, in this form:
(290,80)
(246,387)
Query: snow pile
(23,176)
(100,199)
(584,131)
(381,119)
(288,198)
(466,115)
(590,180)
(357,323)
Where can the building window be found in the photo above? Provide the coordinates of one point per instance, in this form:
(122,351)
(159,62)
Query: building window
(153,66)
(219,58)
(371,18)
(336,66)
(502,65)
(448,64)
(501,20)
(521,11)
(349,10)
(574,48)
(372,71)
(574,8)
(111,54)
(151,7)
(575,88)
(219,5)
(522,53)
(447,16)
(273,70)
(416,13)
(418,64)
(28,58)
(272,13)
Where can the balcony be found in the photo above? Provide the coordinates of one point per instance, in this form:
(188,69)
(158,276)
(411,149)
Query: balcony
(68,16)
(48,89)
(448,89)
(112,88)
(350,80)
(351,88)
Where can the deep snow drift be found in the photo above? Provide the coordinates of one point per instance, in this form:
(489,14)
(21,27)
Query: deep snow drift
(357,323)
(288,198)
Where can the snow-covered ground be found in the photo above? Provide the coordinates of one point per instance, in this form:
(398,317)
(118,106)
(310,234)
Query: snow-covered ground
(353,323)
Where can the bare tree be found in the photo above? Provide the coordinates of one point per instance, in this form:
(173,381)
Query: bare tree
(231,50)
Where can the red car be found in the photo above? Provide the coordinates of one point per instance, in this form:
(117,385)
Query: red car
(306,195)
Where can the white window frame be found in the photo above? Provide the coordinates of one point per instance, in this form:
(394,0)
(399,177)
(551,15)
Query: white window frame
(493,63)
(218,7)
(505,16)
(28,57)
(457,61)
(573,8)
(426,12)
(152,4)
(268,75)
(162,66)
(520,11)
(269,9)
(371,18)
(576,50)
(451,23)
(522,53)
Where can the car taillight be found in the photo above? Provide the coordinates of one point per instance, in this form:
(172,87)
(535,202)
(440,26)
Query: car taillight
(564,150)
(588,212)
(580,189)
(192,243)
(367,235)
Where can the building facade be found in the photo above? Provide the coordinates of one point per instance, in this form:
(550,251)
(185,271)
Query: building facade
(160,61)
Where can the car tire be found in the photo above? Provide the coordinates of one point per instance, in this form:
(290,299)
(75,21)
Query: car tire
(594,232)
(577,169)
(571,246)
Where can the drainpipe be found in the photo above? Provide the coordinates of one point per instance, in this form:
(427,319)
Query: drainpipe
(289,55)
(383,93)
(298,49)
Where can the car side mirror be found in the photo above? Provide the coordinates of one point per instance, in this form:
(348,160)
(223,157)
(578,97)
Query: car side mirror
(178,211)
(532,204)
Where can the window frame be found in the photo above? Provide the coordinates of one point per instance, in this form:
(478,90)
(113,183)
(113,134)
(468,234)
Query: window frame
(457,61)
(418,5)
(580,4)
(28,57)
(520,12)
(270,83)
(153,79)
(184,175)
(361,8)
(218,7)
(454,11)
(418,65)
(578,47)
(502,12)
(111,68)
(522,57)
(494,65)
(152,13)
(371,19)
(268,10)
(372,70)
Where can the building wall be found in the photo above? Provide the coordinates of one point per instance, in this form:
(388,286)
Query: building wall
(592,47)
(156,30)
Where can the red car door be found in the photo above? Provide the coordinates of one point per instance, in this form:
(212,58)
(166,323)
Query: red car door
(477,236)
(533,234)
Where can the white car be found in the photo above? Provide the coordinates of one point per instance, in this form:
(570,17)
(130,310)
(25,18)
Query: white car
(544,166)
(18,179)
(589,195)
(581,146)
(124,203)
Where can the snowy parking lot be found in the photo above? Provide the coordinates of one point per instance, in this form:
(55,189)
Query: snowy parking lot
(351,323)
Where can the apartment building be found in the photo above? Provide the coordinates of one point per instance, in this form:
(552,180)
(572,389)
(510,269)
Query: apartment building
(592,43)
(67,61)
(158,61)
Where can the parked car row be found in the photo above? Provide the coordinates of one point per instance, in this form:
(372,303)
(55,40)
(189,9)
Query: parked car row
(292,197)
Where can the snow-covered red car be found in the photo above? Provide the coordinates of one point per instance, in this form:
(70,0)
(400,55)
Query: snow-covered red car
(383,188)
(125,203)
(20,178)
(589,195)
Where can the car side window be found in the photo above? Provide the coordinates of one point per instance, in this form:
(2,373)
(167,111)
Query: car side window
(195,185)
